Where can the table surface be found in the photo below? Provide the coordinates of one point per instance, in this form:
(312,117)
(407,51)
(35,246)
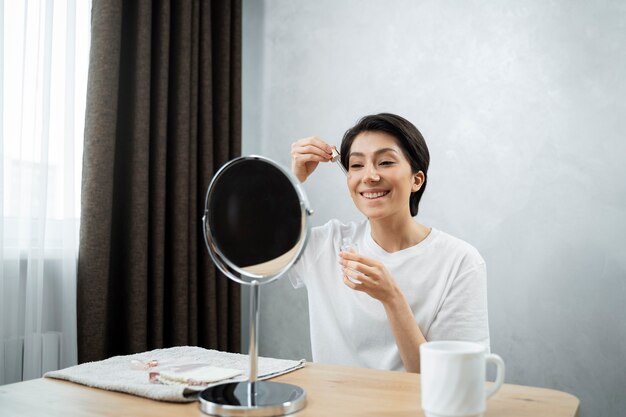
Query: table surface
(331,390)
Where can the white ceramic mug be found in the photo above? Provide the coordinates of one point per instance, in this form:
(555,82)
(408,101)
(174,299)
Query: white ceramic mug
(453,378)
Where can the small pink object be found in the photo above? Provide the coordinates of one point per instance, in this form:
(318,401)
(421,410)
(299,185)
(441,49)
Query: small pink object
(142,366)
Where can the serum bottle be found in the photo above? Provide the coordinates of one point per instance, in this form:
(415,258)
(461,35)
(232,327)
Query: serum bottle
(348,246)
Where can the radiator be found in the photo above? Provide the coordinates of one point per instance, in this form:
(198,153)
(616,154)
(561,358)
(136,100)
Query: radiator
(30,357)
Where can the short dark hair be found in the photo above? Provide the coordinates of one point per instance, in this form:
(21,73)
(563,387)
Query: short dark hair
(410,139)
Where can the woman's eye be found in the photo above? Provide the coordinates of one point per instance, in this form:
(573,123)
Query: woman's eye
(386,163)
(355,166)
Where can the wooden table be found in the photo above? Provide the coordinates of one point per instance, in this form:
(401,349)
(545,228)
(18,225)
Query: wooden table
(331,391)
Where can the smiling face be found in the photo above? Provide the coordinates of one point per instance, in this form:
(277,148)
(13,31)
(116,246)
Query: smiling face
(380,177)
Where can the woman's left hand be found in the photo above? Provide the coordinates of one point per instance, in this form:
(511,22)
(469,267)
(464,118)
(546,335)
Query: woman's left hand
(374,278)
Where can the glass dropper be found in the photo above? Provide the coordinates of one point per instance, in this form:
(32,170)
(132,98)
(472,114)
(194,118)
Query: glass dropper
(336,157)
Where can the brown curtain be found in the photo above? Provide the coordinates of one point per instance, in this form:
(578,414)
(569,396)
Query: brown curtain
(163,114)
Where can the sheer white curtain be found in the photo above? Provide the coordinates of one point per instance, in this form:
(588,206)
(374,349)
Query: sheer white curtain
(44,57)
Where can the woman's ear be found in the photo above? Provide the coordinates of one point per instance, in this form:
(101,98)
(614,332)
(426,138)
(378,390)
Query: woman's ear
(418,180)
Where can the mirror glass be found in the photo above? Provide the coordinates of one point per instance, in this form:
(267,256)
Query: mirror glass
(255,219)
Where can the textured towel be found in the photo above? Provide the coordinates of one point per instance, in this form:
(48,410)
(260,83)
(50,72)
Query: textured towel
(197,375)
(119,374)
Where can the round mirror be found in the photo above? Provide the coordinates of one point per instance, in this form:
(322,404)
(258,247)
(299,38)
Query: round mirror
(255,227)
(255,219)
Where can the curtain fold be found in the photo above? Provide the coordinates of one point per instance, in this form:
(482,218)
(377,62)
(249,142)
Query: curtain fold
(163,114)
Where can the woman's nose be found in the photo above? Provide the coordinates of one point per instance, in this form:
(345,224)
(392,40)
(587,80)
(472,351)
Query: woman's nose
(371,174)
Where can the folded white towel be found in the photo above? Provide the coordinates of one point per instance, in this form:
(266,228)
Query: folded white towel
(121,373)
(199,375)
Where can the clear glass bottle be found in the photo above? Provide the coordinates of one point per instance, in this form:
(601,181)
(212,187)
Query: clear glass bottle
(347,245)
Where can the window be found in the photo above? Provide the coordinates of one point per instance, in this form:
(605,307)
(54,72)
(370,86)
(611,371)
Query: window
(44,53)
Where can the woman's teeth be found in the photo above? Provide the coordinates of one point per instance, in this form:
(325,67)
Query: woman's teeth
(374,195)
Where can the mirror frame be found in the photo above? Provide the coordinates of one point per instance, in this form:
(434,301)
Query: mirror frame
(232,271)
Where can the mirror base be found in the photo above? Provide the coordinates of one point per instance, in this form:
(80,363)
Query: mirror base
(260,398)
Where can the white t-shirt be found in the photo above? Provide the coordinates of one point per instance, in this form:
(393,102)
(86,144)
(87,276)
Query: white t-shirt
(442,277)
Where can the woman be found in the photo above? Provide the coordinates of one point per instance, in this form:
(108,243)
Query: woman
(407,283)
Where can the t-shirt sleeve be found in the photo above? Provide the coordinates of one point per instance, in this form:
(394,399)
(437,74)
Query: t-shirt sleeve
(463,313)
(295,274)
(319,243)
(299,272)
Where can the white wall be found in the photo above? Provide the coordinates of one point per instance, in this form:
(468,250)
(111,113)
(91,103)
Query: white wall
(523,106)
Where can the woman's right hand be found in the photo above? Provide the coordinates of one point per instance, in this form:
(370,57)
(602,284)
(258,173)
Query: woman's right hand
(306,154)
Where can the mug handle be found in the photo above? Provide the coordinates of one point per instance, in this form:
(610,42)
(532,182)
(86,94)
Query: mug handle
(497,360)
